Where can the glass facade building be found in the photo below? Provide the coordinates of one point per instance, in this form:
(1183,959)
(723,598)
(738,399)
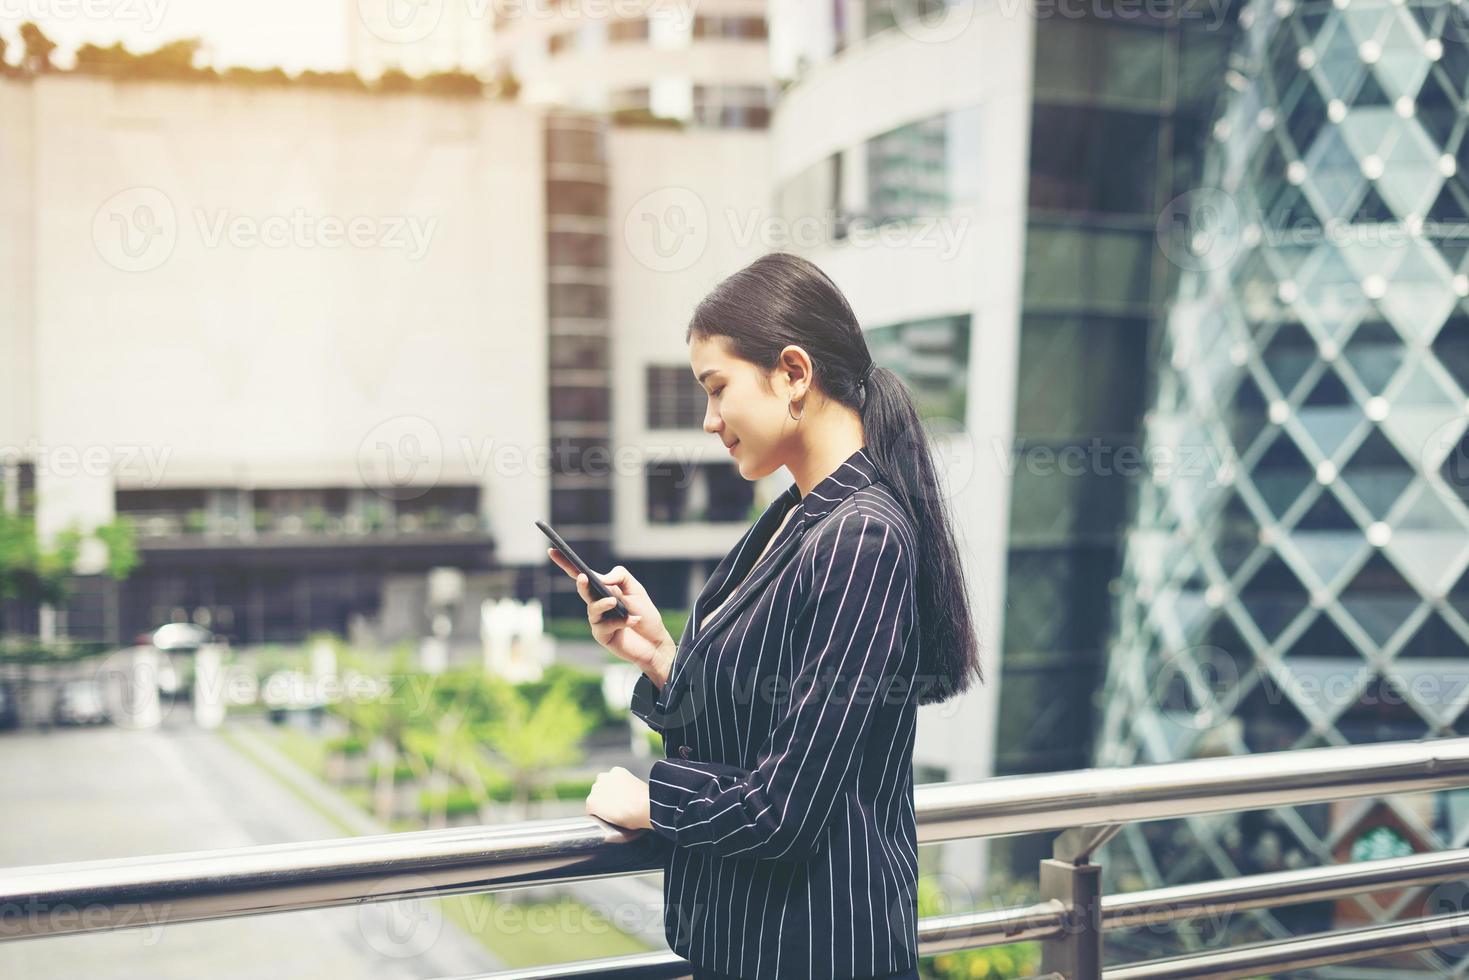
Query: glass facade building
(1120,106)
(1296,576)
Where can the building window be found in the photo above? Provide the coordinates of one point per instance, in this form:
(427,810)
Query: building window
(1085,158)
(921,168)
(734,27)
(578,353)
(580,505)
(932,358)
(685,493)
(623,99)
(732,106)
(580,403)
(631,29)
(675,399)
(237,513)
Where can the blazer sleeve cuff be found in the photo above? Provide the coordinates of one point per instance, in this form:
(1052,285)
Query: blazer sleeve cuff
(647,703)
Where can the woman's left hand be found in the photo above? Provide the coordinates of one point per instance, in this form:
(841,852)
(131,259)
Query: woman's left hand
(620,798)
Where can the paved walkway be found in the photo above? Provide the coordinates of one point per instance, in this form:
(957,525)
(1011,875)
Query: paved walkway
(91,793)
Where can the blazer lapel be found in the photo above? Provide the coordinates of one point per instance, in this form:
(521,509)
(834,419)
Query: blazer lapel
(857,471)
(744,593)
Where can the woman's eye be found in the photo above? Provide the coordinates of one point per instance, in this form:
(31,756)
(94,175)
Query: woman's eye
(716,391)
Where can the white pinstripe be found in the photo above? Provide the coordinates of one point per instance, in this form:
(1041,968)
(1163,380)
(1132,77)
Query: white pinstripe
(849,580)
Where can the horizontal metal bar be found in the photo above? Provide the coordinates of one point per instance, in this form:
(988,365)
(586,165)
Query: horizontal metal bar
(1059,801)
(1302,952)
(936,934)
(125,893)
(1046,920)
(64,899)
(1160,905)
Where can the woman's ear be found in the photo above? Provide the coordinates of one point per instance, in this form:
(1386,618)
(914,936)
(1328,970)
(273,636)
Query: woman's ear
(795,364)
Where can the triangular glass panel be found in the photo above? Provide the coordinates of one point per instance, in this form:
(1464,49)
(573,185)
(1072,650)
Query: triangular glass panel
(1434,639)
(1429,543)
(1448,207)
(1377,474)
(1335,176)
(1281,474)
(1328,413)
(1331,297)
(1374,353)
(1328,553)
(1381,713)
(1248,415)
(1273,597)
(1268,716)
(1291,352)
(1379,599)
(1419,297)
(1234,534)
(1306,118)
(1400,64)
(1451,347)
(1411,176)
(1437,108)
(1326,514)
(1324,641)
(1341,67)
(1226,651)
(1372,209)
(1370,94)
(1458,597)
(1424,421)
(1436,686)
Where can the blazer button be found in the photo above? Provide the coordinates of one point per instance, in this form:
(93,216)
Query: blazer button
(683,751)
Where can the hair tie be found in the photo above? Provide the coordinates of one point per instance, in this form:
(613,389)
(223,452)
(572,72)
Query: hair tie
(862,381)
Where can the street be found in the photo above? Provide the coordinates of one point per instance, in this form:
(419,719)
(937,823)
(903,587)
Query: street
(90,793)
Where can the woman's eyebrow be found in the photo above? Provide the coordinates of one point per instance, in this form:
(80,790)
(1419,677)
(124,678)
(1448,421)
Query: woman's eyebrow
(707,373)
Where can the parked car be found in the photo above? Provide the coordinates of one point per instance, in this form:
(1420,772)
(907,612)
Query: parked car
(80,702)
(180,637)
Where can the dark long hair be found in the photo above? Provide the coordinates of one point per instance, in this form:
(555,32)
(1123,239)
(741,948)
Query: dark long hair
(782,299)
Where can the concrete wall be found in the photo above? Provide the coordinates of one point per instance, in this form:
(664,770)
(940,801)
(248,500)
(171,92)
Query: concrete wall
(678,209)
(275,287)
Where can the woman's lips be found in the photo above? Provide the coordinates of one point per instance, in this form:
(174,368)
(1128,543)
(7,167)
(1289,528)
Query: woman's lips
(732,446)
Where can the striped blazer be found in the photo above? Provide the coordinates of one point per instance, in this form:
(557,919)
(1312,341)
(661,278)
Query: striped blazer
(784,805)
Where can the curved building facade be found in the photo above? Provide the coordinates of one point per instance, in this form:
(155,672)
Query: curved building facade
(1296,574)
(911,197)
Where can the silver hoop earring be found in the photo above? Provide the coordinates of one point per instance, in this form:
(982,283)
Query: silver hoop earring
(794,418)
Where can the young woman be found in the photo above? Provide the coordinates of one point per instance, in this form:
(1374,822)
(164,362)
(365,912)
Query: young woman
(784,802)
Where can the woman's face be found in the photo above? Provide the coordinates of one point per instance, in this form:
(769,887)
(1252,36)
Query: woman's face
(739,409)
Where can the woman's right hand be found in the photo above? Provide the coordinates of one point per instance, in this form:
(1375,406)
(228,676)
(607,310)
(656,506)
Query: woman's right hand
(641,639)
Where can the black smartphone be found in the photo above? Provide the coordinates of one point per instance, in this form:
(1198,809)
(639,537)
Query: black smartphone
(598,589)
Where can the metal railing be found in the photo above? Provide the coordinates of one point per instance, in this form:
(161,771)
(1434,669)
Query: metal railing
(1088,807)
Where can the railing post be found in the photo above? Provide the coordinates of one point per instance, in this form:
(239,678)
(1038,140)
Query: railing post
(1069,877)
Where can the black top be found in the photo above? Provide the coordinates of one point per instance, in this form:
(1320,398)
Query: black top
(785,798)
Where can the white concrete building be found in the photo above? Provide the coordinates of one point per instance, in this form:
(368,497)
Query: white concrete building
(703,63)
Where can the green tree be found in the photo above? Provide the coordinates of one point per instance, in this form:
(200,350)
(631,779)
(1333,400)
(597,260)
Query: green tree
(34,574)
(533,737)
